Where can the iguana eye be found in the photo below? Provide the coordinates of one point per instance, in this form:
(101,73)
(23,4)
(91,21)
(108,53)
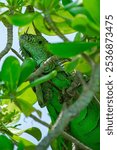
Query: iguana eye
(40,42)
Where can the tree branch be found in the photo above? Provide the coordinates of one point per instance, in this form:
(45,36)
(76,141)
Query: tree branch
(9,40)
(64,134)
(69,113)
(75,141)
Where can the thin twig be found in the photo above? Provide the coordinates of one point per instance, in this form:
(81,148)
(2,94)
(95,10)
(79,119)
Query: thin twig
(68,114)
(40,121)
(9,40)
(17,54)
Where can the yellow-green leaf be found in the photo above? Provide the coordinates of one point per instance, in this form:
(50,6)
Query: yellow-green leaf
(28,95)
(24,106)
(27,144)
(26,100)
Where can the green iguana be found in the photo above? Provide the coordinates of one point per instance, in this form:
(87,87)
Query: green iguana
(85,127)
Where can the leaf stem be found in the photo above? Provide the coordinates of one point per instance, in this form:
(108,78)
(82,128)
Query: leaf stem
(53,27)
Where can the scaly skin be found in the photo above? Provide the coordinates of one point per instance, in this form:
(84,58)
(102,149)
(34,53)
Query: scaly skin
(28,42)
(85,127)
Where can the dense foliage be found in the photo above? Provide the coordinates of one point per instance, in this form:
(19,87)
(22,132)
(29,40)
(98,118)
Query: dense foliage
(50,17)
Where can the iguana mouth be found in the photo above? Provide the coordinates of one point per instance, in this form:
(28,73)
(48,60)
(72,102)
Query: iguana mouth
(28,53)
(25,53)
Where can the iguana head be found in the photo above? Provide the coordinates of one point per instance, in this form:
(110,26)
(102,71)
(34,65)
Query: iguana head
(34,46)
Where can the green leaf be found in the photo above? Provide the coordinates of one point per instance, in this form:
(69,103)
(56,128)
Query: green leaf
(57,143)
(83,24)
(66,2)
(75,10)
(9,2)
(59,21)
(2,5)
(78,37)
(28,94)
(81,117)
(43,27)
(46,3)
(27,68)
(70,49)
(90,121)
(49,4)
(89,126)
(5,143)
(26,99)
(80,22)
(27,144)
(29,27)
(16,2)
(70,66)
(35,132)
(70,5)
(93,7)
(0,77)
(10,72)
(10,112)
(24,106)
(15,130)
(83,66)
(21,19)
(20,146)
